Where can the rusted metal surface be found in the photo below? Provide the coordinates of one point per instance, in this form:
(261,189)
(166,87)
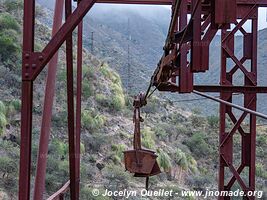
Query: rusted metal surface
(70,102)
(78,105)
(185,74)
(248,139)
(47,110)
(141,162)
(27,101)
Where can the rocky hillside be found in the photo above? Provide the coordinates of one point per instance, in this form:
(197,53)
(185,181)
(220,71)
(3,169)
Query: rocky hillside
(186,142)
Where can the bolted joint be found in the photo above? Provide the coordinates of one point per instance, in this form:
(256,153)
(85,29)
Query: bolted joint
(31,62)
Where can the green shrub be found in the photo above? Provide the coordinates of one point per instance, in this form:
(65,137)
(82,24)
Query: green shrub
(181,159)
(117,102)
(82,148)
(91,121)
(89,72)
(101,99)
(7,165)
(87,89)
(213,121)
(148,138)
(93,143)
(12,5)
(57,172)
(2,107)
(110,74)
(8,45)
(10,110)
(8,22)
(59,148)
(117,99)
(181,130)
(51,182)
(99,121)
(12,107)
(117,178)
(118,149)
(262,140)
(64,168)
(3,122)
(177,118)
(261,171)
(87,118)
(62,75)
(197,121)
(192,163)
(160,133)
(16,103)
(117,89)
(164,161)
(198,145)
(105,71)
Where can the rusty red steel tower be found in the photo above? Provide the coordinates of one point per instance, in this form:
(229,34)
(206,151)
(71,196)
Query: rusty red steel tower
(175,73)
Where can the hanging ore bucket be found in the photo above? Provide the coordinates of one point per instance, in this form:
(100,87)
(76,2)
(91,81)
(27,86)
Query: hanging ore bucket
(141,162)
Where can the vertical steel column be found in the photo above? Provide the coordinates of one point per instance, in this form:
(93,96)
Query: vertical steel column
(248,139)
(176,72)
(196,41)
(47,109)
(185,74)
(251,47)
(78,103)
(70,96)
(27,101)
(223,107)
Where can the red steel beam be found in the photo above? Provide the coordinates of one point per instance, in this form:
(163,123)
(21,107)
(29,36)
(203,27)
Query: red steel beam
(27,101)
(39,186)
(70,102)
(186,76)
(78,103)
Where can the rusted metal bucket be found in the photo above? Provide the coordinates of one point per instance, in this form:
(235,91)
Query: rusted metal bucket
(141,162)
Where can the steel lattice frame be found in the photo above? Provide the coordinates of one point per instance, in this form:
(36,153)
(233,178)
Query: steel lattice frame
(248,142)
(34,62)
